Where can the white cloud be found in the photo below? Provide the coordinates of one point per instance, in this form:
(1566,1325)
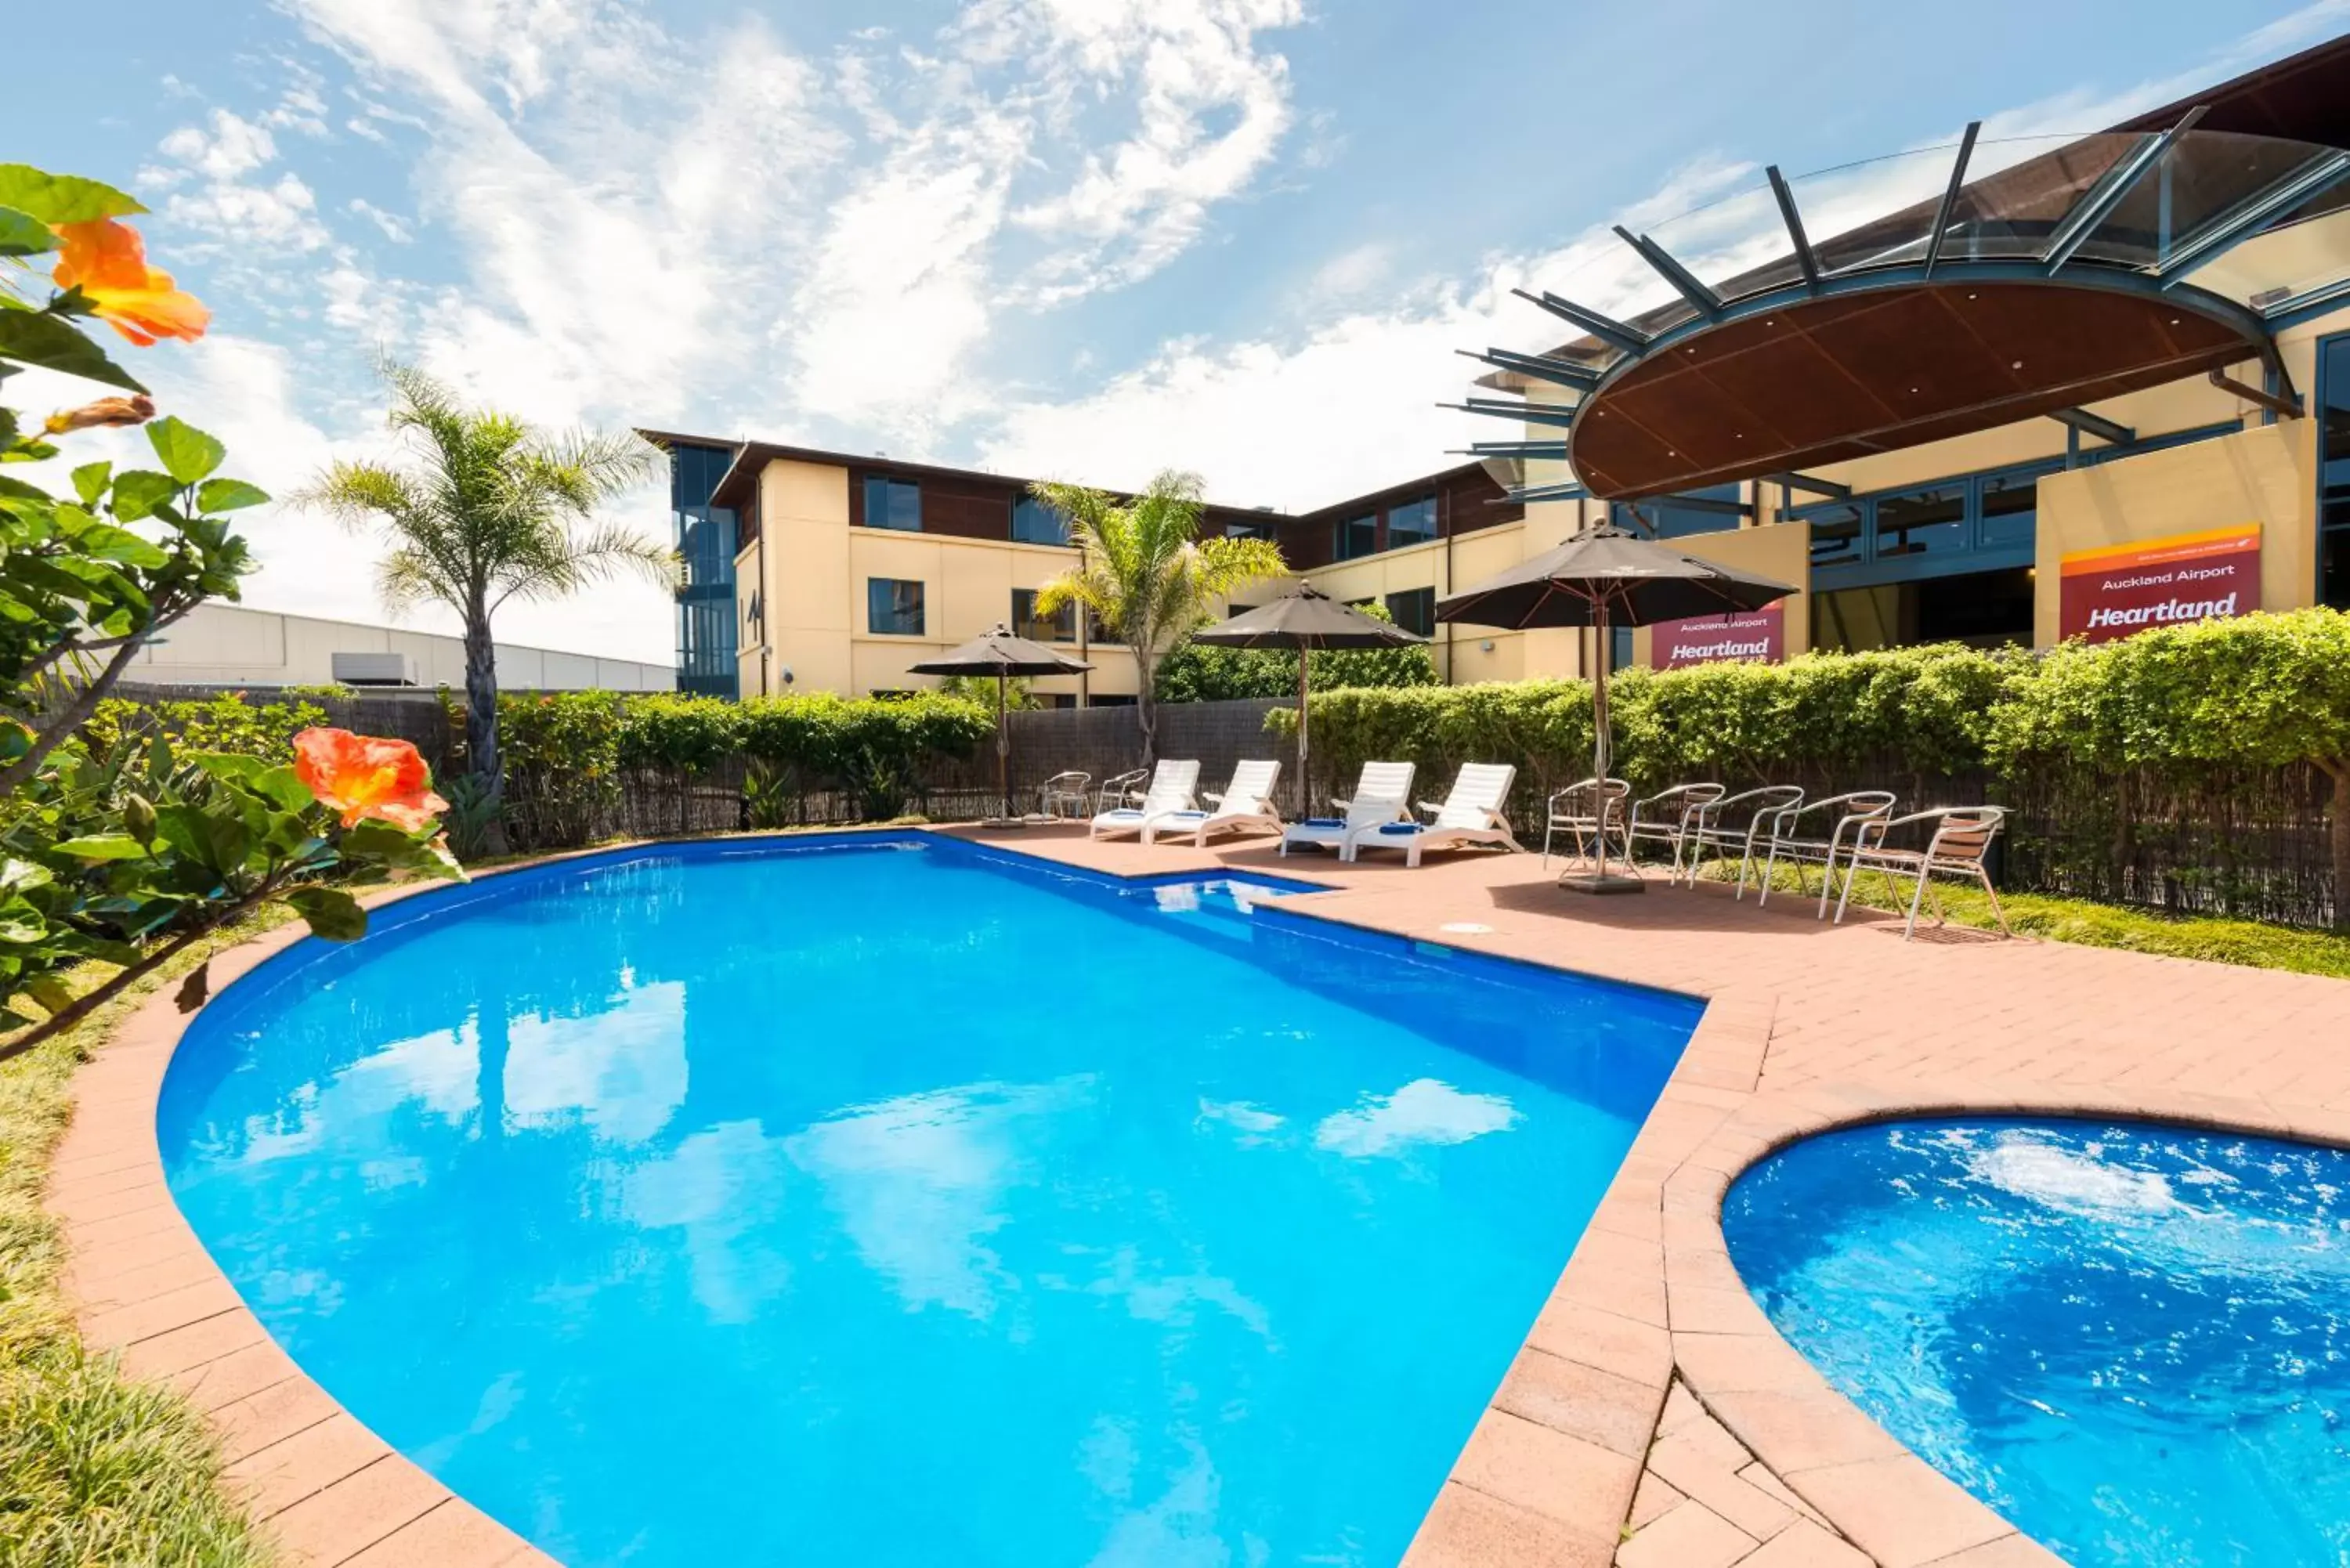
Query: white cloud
(231,147)
(1192,66)
(283,214)
(393,229)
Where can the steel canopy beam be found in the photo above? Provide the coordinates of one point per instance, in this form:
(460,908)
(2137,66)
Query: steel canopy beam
(1685,284)
(1804,482)
(1531,451)
(1528,495)
(1950,195)
(2249,217)
(2098,203)
(1606,328)
(2287,401)
(1794,221)
(2097,425)
(1540,367)
(1560,415)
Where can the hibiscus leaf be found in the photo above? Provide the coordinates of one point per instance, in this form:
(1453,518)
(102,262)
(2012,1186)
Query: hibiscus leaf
(332,913)
(104,847)
(187,452)
(228,494)
(52,343)
(61,198)
(23,235)
(139,491)
(109,542)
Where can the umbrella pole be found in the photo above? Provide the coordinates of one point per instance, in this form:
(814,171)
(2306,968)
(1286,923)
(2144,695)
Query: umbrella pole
(1002,746)
(1304,712)
(1600,758)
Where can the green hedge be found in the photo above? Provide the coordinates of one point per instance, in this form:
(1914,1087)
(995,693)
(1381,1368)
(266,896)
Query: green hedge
(586,764)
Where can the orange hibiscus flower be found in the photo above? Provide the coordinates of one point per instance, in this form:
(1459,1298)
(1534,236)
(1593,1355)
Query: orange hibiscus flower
(364,776)
(109,260)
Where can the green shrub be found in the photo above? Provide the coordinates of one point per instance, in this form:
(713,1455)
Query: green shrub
(561,754)
(687,734)
(227,722)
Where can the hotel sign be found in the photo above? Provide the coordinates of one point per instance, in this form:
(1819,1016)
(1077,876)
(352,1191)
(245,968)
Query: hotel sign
(2124,588)
(1755,634)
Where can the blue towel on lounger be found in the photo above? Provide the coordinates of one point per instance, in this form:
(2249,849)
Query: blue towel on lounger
(1324,822)
(1401,827)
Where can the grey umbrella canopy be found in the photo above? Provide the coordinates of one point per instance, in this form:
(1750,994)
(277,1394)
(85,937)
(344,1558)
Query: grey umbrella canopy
(1603,577)
(1001,655)
(1305,618)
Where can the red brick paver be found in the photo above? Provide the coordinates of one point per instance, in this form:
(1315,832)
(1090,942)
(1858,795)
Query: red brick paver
(1654,1417)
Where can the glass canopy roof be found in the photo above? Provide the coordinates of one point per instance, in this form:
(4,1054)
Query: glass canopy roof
(2215,235)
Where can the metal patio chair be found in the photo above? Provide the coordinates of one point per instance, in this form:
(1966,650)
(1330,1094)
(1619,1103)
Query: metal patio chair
(1959,847)
(1734,822)
(1064,796)
(1795,837)
(1665,817)
(1121,789)
(1586,812)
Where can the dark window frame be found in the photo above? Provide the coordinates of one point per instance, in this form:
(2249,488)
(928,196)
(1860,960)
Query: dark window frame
(896,612)
(1428,502)
(1419,625)
(1345,527)
(1062,627)
(889,484)
(2332,533)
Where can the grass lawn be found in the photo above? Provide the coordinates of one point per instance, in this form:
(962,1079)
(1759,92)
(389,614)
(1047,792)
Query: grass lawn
(94,1469)
(2219,939)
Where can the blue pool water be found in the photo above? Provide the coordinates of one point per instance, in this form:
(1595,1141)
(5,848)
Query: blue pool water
(896,1201)
(2130,1339)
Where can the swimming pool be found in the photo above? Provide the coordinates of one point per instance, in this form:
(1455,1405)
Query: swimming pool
(891,1200)
(2130,1339)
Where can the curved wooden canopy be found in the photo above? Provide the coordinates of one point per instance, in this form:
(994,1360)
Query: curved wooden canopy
(1826,380)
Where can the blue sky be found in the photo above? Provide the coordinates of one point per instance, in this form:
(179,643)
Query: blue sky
(1081,239)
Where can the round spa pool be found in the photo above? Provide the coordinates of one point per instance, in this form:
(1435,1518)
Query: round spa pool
(2128,1339)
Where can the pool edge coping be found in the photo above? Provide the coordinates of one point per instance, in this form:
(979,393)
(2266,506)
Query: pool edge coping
(1529,1487)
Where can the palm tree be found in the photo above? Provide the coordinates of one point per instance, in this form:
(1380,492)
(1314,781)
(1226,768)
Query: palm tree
(490,510)
(1146,576)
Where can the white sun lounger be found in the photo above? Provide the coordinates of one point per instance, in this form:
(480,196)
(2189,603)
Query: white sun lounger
(1472,813)
(1171,786)
(1246,804)
(1380,796)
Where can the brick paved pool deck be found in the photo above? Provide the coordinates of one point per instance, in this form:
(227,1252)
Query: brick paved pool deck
(1653,1418)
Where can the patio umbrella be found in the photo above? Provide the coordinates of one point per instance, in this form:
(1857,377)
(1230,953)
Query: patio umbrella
(1603,577)
(1305,618)
(1003,655)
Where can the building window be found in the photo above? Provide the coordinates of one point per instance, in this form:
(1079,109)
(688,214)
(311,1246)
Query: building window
(1931,520)
(1060,627)
(2010,510)
(2334,473)
(1665,520)
(1035,523)
(1106,699)
(893,606)
(706,542)
(1985,609)
(1354,537)
(892,504)
(1836,533)
(1414,609)
(1413,523)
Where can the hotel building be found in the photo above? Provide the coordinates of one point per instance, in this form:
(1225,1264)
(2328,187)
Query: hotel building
(1985,392)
